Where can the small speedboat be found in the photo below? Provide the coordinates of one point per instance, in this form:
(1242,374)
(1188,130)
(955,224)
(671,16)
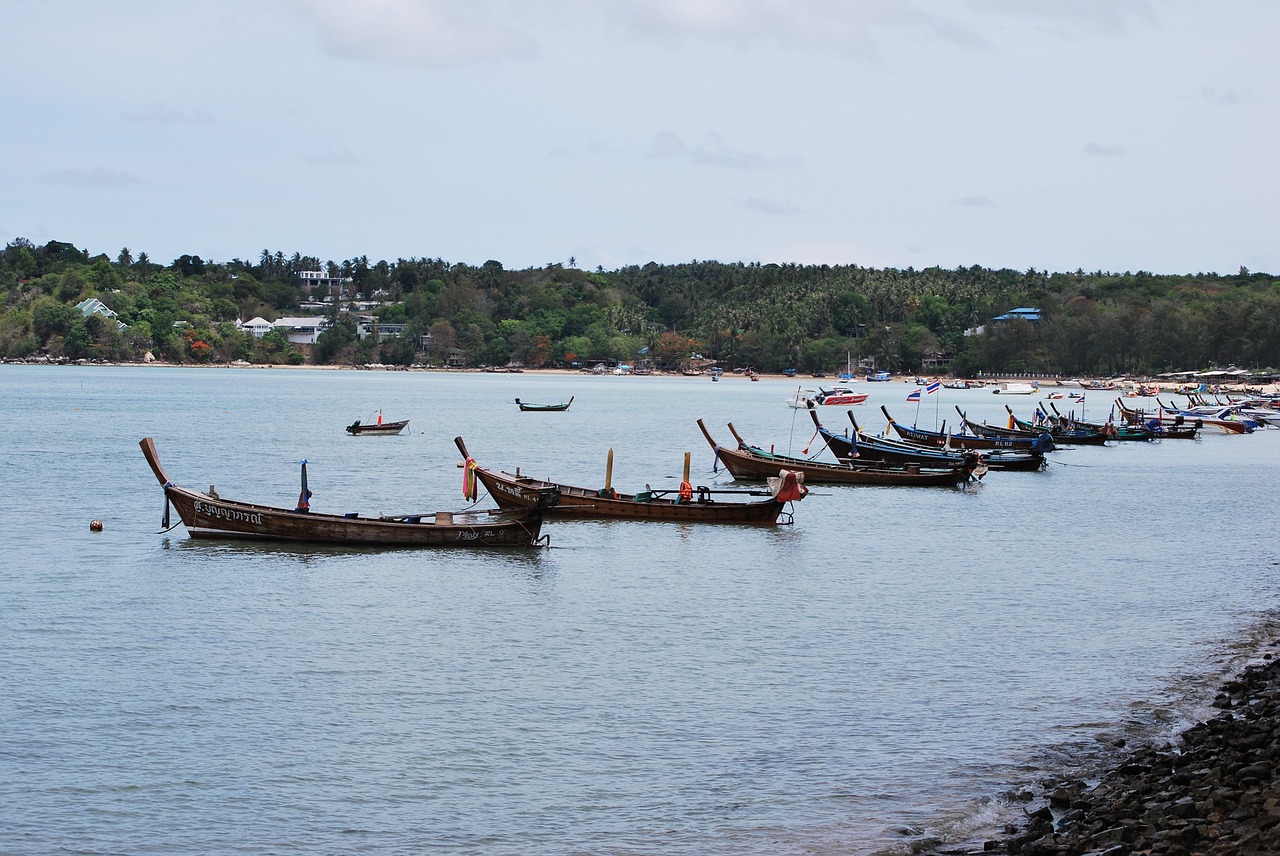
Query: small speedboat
(839,395)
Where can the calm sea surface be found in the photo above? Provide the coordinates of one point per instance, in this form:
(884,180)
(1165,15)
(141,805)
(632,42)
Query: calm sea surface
(876,675)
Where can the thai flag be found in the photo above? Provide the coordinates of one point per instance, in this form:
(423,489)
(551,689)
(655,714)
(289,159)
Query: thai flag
(914,396)
(933,387)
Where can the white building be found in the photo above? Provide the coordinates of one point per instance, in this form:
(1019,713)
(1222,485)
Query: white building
(301,330)
(327,288)
(304,329)
(259,326)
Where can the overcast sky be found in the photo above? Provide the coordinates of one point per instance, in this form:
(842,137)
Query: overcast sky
(1055,134)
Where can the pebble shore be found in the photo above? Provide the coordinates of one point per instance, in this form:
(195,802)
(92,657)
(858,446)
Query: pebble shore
(1213,791)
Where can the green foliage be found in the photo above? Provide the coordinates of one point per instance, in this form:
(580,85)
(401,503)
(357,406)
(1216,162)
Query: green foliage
(769,316)
(49,317)
(335,341)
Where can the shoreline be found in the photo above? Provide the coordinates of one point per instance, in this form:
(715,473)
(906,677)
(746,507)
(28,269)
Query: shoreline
(1162,387)
(1213,789)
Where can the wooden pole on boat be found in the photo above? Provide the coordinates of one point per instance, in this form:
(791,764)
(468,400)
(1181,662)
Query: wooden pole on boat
(687,456)
(608,472)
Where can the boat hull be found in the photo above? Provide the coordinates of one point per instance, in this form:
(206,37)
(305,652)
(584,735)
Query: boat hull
(749,463)
(963,441)
(856,398)
(385,428)
(206,515)
(877,449)
(526,407)
(977,442)
(515,491)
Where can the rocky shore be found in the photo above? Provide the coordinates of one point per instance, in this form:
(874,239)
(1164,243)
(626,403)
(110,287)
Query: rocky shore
(1213,791)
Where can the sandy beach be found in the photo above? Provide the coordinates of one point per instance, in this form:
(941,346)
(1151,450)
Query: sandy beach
(1164,387)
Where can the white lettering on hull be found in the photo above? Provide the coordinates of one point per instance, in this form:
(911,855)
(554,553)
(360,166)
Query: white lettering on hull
(229,514)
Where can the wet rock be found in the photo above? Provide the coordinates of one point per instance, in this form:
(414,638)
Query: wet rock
(1215,792)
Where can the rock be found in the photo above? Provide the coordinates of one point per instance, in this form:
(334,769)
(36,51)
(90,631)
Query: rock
(1216,793)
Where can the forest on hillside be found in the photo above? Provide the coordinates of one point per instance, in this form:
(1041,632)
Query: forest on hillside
(767,316)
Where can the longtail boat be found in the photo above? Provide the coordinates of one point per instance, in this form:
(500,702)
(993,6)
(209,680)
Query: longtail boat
(687,504)
(526,407)
(1061,436)
(1227,424)
(861,446)
(1164,428)
(377,427)
(1068,429)
(1255,409)
(966,440)
(1123,432)
(207,515)
(751,463)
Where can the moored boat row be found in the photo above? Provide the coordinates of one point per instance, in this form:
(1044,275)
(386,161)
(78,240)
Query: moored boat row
(899,456)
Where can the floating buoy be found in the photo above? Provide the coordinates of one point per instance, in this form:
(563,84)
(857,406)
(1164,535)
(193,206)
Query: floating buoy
(95,525)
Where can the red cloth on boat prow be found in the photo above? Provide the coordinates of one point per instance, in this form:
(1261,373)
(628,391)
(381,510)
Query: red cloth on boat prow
(789,487)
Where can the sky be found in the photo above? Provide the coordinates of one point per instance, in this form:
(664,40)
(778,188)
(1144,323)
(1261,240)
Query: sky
(1111,135)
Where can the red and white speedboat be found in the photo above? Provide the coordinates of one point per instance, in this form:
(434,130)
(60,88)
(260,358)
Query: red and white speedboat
(839,395)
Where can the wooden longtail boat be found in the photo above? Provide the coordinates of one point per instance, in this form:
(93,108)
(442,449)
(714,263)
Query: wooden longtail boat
(751,463)
(207,515)
(1124,432)
(964,440)
(699,505)
(543,408)
(1061,436)
(1227,426)
(861,446)
(356,429)
(1164,427)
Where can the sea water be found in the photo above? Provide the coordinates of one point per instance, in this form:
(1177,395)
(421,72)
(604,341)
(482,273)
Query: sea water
(871,679)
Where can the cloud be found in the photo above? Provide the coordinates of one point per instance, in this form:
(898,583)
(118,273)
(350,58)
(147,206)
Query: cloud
(1210,95)
(342,157)
(714,151)
(442,33)
(848,27)
(160,114)
(979,201)
(432,33)
(594,149)
(439,33)
(1104,151)
(94,177)
(768,206)
(1069,18)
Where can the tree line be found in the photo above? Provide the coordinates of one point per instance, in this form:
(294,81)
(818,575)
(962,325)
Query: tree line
(766,316)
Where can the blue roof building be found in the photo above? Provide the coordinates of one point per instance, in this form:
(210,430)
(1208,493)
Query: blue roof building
(1025,312)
